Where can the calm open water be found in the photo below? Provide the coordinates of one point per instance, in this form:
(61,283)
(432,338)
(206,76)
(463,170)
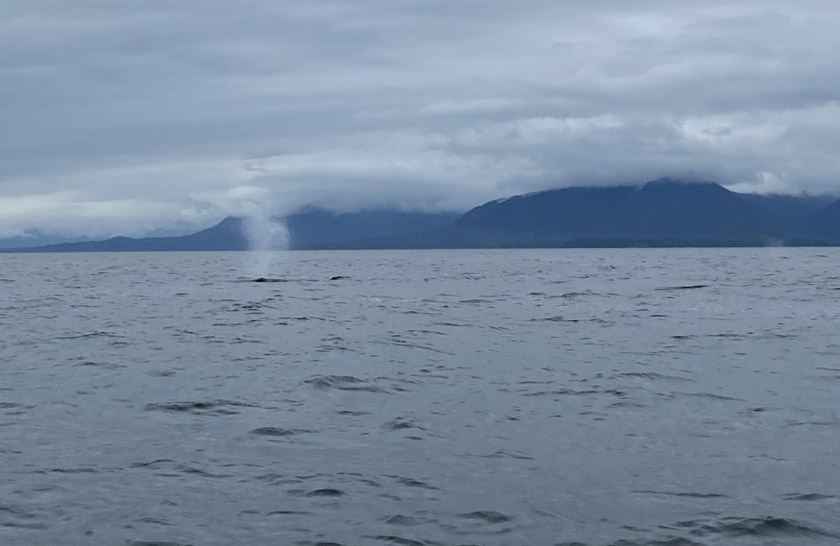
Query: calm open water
(542,397)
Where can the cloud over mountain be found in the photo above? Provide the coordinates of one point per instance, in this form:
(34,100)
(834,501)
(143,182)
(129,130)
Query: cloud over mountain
(122,117)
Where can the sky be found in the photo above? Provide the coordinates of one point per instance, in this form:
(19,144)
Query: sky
(134,116)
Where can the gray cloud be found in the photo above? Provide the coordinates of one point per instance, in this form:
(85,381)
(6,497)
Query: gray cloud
(128,116)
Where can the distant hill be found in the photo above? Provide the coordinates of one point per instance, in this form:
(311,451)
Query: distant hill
(788,206)
(671,209)
(308,229)
(571,211)
(826,222)
(319,228)
(34,240)
(664,212)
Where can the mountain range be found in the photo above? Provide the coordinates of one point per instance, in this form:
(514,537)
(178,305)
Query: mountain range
(308,229)
(664,212)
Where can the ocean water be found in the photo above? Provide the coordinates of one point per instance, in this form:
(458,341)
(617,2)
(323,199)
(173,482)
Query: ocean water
(544,397)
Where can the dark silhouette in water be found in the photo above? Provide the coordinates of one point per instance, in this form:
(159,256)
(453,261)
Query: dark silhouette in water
(685,287)
(267,279)
(264,279)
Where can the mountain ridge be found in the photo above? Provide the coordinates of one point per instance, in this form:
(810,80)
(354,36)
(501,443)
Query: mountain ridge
(663,212)
(308,229)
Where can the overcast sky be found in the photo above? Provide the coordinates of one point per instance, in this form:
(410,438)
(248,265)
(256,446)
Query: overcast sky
(127,116)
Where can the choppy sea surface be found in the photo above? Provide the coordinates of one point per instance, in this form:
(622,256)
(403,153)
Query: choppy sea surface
(543,397)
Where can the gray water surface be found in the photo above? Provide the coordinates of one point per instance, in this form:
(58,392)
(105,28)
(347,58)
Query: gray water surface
(602,397)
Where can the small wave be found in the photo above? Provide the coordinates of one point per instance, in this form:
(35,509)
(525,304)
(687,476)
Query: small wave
(184,469)
(155,521)
(403,521)
(682,494)
(178,332)
(557,318)
(171,468)
(327,348)
(145,543)
(708,395)
(151,463)
(502,454)
(561,318)
(770,526)
(426,332)
(211,407)
(487,516)
(89,335)
(33,526)
(272,431)
(570,295)
(453,324)
(237,324)
(627,404)
(325,492)
(763,527)
(668,541)
(251,306)
(411,482)
(18,519)
(277,432)
(812,424)
(684,287)
(4,508)
(809,497)
(399,540)
(398,341)
(343,383)
(240,340)
(572,392)
(652,376)
(105,365)
(401,424)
